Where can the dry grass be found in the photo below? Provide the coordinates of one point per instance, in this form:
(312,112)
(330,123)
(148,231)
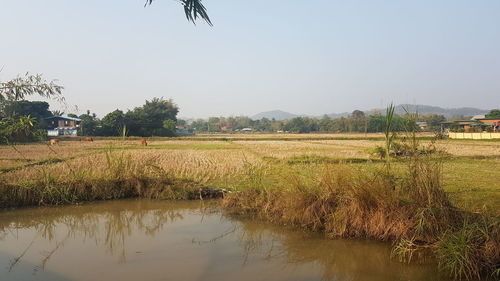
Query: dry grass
(470,148)
(277,136)
(222,162)
(412,210)
(339,149)
(288,179)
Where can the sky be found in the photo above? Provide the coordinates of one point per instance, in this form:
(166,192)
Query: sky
(300,56)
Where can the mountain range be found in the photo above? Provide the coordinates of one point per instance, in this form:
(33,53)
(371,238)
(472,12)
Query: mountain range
(276,114)
(400,109)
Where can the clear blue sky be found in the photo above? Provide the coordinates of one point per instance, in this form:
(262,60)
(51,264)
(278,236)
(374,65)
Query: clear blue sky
(307,57)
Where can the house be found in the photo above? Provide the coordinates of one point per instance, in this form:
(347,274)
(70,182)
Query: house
(422,125)
(477,117)
(475,125)
(62,126)
(183,131)
(492,123)
(246,130)
(226,128)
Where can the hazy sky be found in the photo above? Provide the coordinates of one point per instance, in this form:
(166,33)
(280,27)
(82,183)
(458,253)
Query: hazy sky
(306,57)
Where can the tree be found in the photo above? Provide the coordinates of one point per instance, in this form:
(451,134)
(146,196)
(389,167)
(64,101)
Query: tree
(494,113)
(57,112)
(302,125)
(326,124)
(27,85)
(37,109)
(357,122)
(23,120)
(113,123)
(193,9)
(358,114)
(147,120)
(169,126)
(376,123)
(433,120)
(199,125)
(19,129)
(89,126)
(181,122)
(263,125)
(214,124)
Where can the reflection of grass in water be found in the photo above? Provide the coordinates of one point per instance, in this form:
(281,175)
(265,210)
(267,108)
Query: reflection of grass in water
(338,259)
(110,223)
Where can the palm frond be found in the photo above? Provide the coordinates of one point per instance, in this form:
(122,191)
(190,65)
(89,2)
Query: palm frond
(193,9)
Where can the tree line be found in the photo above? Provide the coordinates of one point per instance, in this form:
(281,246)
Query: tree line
(157,117)
(356,122)
(24,121)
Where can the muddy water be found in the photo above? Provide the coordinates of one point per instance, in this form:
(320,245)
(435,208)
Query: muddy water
(164,240)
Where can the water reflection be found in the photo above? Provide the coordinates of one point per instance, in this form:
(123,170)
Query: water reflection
(162,240)
(341,259)
(107,224)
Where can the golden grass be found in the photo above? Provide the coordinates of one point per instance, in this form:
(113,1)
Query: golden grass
(220,161)
(293,136)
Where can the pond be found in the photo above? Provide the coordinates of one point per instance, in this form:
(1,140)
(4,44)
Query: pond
(181,240)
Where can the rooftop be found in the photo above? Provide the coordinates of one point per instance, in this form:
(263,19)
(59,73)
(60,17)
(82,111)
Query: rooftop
(64,118)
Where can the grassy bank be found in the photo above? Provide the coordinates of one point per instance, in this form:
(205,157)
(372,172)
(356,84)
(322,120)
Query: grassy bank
(118,177)
(72,192)
(445,206)
(412,210)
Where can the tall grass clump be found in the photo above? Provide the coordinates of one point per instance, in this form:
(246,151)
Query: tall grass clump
(389,135)
(471,249)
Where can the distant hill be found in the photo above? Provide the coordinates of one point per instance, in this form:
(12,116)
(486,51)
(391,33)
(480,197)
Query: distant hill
(400,109)
(337,115)
(448,112)
(421,109)
(276,114)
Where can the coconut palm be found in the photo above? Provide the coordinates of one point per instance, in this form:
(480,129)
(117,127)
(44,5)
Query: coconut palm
(57,112)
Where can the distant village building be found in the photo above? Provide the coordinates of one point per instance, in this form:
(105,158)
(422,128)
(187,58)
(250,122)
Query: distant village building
(477,117)
(183,131)
(226,128)
(246,129)
(62,126)
(474,125)
(422,125)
